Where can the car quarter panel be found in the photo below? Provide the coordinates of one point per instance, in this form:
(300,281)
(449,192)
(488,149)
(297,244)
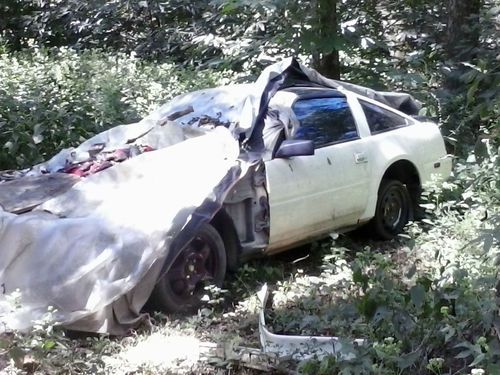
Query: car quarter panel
(419,143)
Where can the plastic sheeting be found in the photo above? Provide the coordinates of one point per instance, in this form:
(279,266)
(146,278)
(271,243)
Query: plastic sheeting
(85,249)
(95,251)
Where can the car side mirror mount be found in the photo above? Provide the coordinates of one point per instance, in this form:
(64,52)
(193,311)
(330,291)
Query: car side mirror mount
(295,147)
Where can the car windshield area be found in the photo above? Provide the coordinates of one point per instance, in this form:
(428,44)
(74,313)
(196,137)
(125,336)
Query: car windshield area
(325,120)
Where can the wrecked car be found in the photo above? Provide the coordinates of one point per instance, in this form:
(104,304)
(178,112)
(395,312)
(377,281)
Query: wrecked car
(157,209)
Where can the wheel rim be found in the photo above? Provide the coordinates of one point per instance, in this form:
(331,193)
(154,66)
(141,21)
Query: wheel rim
(194,266)
(392,208)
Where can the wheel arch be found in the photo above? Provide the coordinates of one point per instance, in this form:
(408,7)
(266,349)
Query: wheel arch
(406,172)
(223,223)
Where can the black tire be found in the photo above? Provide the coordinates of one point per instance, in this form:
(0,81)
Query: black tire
(202,262)
(393,210)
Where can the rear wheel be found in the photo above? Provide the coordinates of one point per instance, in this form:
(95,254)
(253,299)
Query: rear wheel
(202,262)
(393,209)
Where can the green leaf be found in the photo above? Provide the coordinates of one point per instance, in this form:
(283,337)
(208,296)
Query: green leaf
(425,282)
(464,354)
(381,313)
(479,358)
(488,243)
(411,272)
(409,359)
(359,278)
(469,76)
(367,307)
(449,332)
(471,92)
(417,294)
(48,345)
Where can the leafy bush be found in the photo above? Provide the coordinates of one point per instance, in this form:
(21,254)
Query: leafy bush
(56,98)
(410,53)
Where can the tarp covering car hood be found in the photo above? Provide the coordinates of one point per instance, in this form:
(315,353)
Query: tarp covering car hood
(94,249)
(85,249)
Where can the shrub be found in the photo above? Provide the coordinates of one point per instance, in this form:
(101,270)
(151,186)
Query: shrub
(56,98)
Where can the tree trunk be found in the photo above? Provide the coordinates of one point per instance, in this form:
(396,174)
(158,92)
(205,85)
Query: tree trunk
(326,61)
(462,42)
(462,29)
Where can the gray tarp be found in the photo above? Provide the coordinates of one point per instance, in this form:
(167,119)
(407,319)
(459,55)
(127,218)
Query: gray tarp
(95,251)
(85,249)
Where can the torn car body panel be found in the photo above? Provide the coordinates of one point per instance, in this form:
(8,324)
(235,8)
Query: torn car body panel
(248,207)
(301,347)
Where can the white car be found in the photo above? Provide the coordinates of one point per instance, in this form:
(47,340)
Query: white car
(159,208)
(342,160)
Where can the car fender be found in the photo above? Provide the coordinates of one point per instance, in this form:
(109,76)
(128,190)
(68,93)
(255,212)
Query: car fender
(419,143)
(377,180)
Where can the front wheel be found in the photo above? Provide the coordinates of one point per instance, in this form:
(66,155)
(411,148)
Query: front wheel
(202,262)
(393,209)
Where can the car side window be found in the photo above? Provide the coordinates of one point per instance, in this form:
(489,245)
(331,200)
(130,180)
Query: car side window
(325,120)
(381,120)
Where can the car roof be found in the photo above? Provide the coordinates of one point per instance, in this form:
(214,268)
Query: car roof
(313,91)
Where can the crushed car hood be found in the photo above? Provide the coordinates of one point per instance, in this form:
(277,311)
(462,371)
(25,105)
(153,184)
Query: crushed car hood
(90,243)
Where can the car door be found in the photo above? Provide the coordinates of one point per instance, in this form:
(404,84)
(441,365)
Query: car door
(312,195)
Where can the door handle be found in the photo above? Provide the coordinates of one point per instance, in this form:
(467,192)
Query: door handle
(360,157)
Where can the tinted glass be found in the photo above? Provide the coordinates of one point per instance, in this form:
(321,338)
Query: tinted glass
(380,119)
(324,120)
